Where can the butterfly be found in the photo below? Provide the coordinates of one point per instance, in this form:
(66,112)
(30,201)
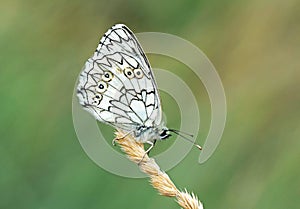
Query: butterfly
(117,86)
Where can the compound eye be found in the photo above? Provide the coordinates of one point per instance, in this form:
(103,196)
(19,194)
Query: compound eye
(138,73)
(164,134)
(107,76)
(128,72)
(102,87)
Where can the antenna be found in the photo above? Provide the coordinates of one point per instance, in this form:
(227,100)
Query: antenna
(180,133)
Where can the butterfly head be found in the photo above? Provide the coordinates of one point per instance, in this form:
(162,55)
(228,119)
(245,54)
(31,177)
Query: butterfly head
(164,133)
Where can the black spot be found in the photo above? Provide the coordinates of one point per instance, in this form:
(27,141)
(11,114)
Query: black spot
(97,96)
(129,73)
(101,86)
(106,75)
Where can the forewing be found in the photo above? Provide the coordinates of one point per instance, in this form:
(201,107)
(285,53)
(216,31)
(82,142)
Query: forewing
(117,85)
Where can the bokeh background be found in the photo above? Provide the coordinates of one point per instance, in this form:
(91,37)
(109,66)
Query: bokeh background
(255,48)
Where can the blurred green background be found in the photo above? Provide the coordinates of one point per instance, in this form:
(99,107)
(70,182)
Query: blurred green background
(254,45)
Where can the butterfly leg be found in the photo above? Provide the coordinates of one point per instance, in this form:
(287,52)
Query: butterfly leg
(122,137)
(148,150)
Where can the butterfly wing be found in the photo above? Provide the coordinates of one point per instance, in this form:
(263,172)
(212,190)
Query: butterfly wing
(117,84)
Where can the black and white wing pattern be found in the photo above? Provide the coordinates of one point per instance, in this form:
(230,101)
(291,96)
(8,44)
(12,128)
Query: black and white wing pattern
(117,85)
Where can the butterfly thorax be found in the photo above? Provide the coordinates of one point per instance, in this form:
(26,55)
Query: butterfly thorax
(151,133)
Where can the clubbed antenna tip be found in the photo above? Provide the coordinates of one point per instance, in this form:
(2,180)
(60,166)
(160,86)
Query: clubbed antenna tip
(198,146)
